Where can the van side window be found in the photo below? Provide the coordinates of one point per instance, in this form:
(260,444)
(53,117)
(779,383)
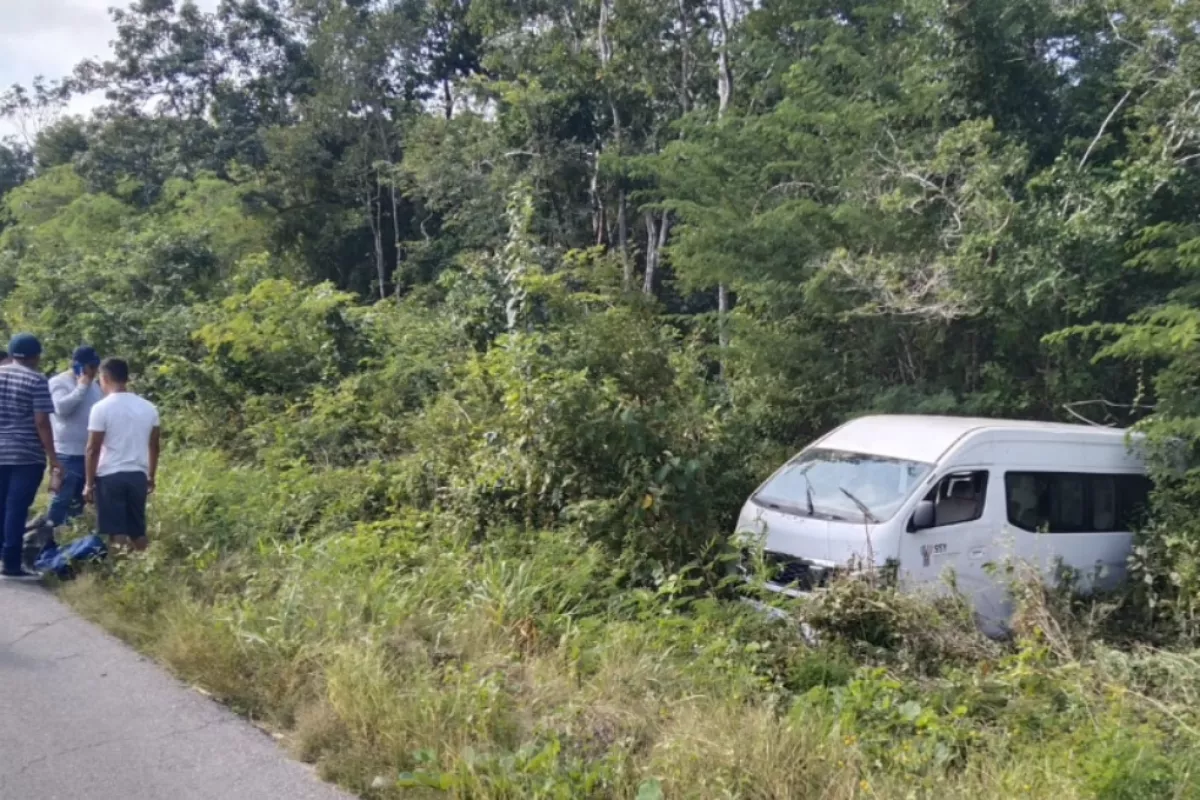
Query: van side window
(958,498)
(1060,502)
(1104,503)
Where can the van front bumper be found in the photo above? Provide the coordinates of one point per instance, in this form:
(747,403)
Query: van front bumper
(789,575)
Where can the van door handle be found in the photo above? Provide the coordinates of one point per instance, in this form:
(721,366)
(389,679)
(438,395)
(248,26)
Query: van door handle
(977,552)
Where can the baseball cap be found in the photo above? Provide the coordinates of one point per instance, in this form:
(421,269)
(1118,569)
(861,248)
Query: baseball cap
(24,345)
(85,355)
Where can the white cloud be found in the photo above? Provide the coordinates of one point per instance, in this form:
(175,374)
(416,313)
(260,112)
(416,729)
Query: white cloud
(49,37)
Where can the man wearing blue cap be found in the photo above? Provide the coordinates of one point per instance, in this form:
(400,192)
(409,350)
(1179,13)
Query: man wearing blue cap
(74,392)
(26,444)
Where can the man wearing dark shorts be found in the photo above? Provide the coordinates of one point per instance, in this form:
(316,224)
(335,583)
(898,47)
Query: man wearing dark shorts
(122,457)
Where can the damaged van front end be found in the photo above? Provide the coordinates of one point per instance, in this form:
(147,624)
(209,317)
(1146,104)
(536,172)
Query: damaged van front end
(826,511)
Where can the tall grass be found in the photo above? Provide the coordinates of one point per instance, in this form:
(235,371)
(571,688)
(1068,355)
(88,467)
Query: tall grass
(409,658)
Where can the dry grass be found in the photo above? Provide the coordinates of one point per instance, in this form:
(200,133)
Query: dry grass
(469,676)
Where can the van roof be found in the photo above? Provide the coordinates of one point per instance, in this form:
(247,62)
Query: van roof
(927,438)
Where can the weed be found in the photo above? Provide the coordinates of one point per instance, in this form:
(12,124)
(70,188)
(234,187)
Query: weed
(407,657)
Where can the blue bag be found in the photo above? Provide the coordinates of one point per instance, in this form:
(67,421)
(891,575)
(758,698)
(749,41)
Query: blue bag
(61,560)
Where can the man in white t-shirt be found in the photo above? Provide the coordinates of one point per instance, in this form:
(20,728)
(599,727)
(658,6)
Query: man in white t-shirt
(122,457)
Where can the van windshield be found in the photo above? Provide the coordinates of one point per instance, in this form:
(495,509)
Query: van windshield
(840,484)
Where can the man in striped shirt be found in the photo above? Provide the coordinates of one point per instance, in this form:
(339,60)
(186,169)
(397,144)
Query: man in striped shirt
(26,444)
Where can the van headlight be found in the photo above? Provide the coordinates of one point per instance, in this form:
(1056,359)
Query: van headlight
(750,523)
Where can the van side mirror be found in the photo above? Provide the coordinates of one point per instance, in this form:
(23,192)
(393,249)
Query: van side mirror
(923,516)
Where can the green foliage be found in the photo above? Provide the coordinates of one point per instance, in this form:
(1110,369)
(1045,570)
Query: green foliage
(15,166)
(469,537)
(587,422)
(403,653)
(279,339)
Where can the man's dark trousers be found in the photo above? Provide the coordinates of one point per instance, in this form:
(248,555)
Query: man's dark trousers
(18,489)
(68,500)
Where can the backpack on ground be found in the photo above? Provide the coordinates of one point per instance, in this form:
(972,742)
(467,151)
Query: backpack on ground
(62,560)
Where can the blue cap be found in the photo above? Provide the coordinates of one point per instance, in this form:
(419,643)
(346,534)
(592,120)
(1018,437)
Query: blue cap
(85,355)
(24,345)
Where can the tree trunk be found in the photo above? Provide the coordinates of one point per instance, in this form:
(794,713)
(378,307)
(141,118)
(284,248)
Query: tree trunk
(599,218)
(685,59)
(623,241)
(602,41)
(722,313)
(655,244)
(605,51)
(375,206)
(651,250)
(725,95)
(396,237)
(375,214)
(724,73)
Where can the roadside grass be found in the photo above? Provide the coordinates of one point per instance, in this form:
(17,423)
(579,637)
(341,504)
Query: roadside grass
(409,658)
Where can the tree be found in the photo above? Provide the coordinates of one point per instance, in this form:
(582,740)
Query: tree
(16,165)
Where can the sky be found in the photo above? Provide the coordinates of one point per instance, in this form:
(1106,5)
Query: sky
(49,37)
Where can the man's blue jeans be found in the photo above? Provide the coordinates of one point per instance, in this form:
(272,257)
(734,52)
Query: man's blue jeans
(67,503)
(18,489)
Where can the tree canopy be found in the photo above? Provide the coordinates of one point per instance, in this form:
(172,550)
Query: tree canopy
(770,215)
(474,322)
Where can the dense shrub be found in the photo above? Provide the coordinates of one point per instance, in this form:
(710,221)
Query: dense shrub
(472,323)
(407,654)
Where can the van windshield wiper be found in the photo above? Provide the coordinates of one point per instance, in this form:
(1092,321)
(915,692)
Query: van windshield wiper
(808,491)
(863,507)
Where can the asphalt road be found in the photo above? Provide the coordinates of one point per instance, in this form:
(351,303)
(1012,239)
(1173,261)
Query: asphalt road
(83,717)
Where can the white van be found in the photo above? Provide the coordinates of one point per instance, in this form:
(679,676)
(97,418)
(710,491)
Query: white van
(924,495)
